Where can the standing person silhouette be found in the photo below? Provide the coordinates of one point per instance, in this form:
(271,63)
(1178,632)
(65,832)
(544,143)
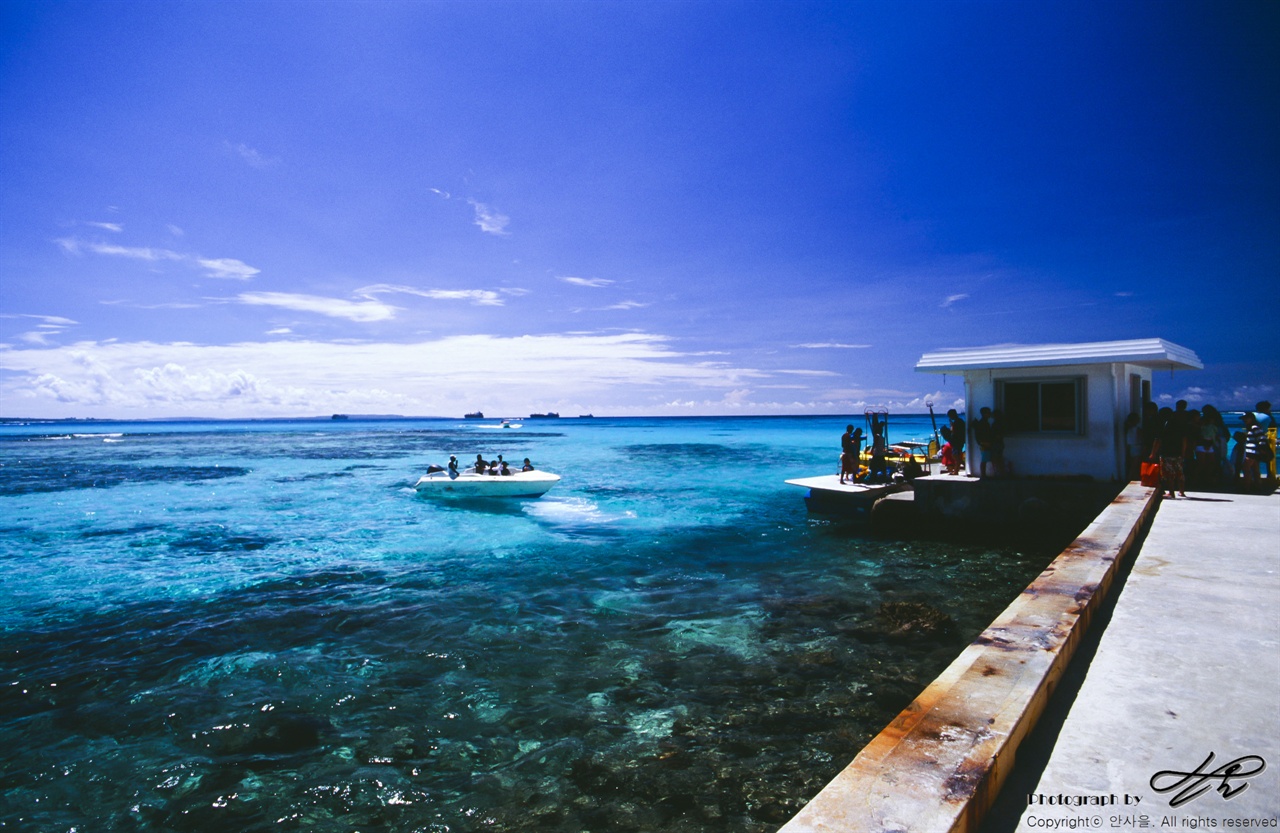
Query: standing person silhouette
(958,436)
(850,448)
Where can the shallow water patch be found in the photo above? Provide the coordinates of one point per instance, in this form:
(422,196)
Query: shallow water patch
(633,652)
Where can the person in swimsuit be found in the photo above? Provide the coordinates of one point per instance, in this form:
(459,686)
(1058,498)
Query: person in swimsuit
(958,430)
(850,447)
(1171,449)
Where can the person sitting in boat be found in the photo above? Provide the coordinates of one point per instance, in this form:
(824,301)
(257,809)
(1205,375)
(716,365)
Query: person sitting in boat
(503,470)
(453,467)
(481,465)
(493,469)
(527,465)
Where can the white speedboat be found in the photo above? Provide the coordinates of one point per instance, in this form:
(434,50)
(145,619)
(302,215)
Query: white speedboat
(471,485)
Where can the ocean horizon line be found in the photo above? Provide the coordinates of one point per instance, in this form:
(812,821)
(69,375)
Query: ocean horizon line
(7,420)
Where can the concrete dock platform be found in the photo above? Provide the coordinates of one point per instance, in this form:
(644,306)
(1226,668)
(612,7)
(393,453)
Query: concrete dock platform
(828,494)
(1188,665)
(940,764)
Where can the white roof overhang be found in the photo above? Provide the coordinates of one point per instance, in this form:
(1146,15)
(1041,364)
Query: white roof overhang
(1155,353)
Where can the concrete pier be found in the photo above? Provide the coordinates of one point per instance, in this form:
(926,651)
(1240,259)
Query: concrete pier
(828,494)
(1188,665)
(939,765)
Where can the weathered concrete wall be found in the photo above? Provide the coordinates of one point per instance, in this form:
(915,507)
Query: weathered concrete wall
(1098,452)
(938,766)
(1011,501)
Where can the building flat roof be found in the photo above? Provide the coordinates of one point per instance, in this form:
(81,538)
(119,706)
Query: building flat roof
(1155,353)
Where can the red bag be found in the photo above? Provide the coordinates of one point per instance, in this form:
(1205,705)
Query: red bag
(1150,473)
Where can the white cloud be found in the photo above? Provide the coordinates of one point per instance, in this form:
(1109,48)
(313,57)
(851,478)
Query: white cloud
(746,401)
(941,401)
(220,267)
(808,372)
(822,345)
(48,326)
(480,297)
(250,155)
(115,227)
(489,220)
(173,382)
(627,305)
(1240,398)
(227,267)
(359,311)
(591,282)
(46,320)
(305,377)
(167,305)
(442,194)
(952,299)
(133,252)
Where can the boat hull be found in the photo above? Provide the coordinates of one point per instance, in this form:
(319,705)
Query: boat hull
(524,484)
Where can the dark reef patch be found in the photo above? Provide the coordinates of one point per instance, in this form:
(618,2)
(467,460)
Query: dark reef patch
(23,478)
(690,454)
(219,539)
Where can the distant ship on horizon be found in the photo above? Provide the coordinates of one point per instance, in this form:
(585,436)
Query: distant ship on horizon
(474,415)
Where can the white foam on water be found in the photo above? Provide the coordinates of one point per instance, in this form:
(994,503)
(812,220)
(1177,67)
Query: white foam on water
(575,513)
(737,635)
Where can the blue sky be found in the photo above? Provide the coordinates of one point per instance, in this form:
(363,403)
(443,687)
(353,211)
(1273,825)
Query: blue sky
(272,209)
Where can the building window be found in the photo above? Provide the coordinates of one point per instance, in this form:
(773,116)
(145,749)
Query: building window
(1043,406)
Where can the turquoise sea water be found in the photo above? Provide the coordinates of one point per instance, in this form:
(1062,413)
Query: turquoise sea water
(260,626)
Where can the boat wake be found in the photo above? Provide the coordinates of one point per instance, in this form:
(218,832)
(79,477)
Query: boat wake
(577,516)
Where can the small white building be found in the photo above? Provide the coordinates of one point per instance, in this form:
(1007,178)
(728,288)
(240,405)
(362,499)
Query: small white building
(1064,405)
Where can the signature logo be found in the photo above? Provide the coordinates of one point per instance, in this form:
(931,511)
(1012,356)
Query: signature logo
(1192,785)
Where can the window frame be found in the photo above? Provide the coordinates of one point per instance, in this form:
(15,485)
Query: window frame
(1079,389)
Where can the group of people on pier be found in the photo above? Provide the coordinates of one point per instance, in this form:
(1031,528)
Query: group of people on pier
(877,470)
(1176,448)
(988,435)
(1194,449)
